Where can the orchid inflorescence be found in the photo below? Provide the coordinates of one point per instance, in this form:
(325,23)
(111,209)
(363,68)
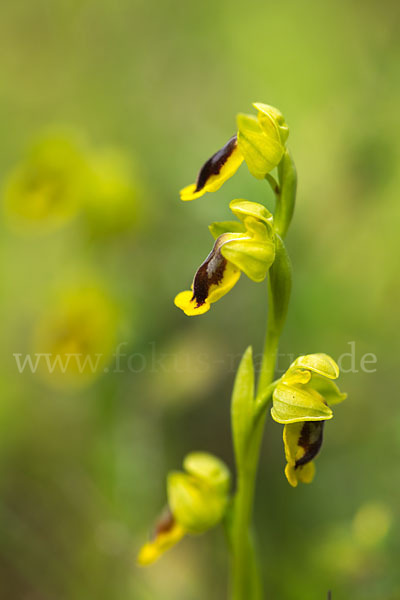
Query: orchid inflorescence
(302,399)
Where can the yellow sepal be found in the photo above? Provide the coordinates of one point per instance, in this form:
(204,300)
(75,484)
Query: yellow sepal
(323,364)
(268,114)
(261,152)
(295,404)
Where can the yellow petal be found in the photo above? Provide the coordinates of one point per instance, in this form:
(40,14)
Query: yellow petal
(320,363)
(291,475)
(215,277)
(168,533)
(245,208)
(186,302)
(302,443)
(220,167)
(303,474)
(306,474)
(295,376)
(189,192)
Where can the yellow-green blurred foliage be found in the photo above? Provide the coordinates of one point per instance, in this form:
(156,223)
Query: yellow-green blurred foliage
(107,109)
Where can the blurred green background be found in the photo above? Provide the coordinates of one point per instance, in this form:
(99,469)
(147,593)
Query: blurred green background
(129,99)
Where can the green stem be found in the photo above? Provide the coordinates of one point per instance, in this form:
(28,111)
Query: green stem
(247,580)
(270,349)
(246,577)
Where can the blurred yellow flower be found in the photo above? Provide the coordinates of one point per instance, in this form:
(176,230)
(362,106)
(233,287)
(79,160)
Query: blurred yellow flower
(197,501)
(111,202)
(372,523)
(46,189)
(76,337)
(61,177)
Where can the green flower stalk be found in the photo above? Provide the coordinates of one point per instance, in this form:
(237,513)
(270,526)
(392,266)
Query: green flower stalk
(302,398)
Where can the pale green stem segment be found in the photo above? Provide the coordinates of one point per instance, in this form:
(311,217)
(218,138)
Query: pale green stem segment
(247,579)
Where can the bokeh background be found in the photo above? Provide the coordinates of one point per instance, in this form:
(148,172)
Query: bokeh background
(107,109)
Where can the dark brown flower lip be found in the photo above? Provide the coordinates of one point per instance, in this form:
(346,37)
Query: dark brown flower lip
(311,437)
(210,272)
(214,164)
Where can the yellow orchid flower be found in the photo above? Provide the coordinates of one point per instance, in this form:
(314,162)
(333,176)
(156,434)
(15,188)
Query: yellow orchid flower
(246,245)
(197,501)
(260,141)
(302,401)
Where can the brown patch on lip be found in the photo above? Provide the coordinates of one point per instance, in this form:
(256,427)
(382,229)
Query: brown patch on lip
(214,164)
(311,437)
(164,524)
(209,273)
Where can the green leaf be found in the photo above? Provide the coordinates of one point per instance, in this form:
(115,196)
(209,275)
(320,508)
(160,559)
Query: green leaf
(242,406)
